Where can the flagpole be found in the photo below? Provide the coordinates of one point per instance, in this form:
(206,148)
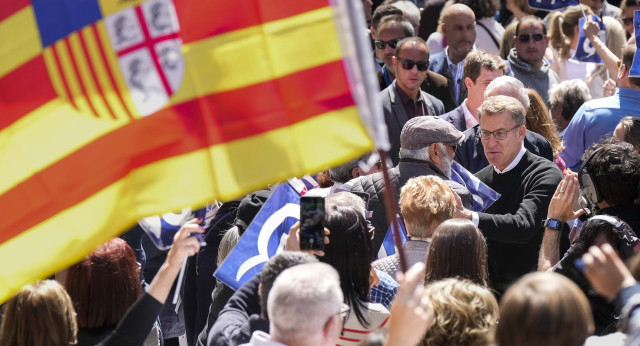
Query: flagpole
(391,206)
(358,55)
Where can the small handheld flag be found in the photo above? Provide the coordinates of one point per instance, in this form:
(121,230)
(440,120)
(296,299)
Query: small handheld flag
(586,52)
(550,5)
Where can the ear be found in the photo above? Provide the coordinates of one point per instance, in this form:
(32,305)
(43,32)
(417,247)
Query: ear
(468,82)
(372,32)
(443,29)
(395,62)
(332,328)
(522,131)
(356,172)
(515,40)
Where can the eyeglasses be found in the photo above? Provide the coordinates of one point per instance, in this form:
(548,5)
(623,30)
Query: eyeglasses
(497,134)
(344,311)
(408,64)
(455,147)
(627,20)
(524,38)
(381,44)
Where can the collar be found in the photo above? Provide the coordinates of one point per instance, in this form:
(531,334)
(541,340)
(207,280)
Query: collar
(404,97)
(468,117)
(424,164)
(449,62)
(513,163)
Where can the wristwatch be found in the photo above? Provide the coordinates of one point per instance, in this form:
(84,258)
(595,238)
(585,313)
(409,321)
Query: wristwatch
(554,224)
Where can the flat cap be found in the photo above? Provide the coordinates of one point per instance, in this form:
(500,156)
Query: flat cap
(420,132)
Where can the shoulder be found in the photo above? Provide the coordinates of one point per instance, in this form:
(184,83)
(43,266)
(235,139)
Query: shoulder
(454,114)
(437,78)
(542,168)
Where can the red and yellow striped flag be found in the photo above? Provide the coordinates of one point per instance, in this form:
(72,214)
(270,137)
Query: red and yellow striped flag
(115,110)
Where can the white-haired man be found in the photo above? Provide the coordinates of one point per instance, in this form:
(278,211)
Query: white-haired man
(304,310)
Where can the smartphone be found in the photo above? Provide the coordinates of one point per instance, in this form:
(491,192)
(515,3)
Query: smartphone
(311,223)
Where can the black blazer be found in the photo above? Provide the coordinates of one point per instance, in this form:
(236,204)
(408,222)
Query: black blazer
(470,153)
(436,85)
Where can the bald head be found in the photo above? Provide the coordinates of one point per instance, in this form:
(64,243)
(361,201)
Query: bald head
(459,27)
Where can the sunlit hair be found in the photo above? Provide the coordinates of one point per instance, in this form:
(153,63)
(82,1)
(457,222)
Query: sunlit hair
(508,86)
(503,104)
(544,308)
(425,202)
(631,129)
(628,53)
(562,25)
(39,314)
(570,94)
(457,249)
(104,285)
(531,19)
(478,59)
(507,40)
(465,313)
(539,121)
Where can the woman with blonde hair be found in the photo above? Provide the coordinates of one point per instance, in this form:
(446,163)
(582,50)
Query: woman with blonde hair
(564,33)
(465,313)
(539,121)
(40,314)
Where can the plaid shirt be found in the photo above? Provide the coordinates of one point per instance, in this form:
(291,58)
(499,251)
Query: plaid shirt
(386,291)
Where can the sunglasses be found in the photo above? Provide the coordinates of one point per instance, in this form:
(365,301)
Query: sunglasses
(381,44)
(408,64)
(524,38)
(627,20)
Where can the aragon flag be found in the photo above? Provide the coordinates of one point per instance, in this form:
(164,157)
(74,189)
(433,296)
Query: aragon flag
(112,110)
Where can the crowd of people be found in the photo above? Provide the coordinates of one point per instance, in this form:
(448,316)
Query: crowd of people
(487,87)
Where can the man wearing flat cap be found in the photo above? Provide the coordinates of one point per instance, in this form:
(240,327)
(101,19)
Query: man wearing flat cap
(526,182)
(428,145)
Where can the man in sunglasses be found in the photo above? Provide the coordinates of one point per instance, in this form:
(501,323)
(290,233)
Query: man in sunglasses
(527,57)
(433,84)
(380,13)
(525,182)
(403,99)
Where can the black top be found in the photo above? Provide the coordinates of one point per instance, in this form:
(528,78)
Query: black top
(136,323)
(513,224)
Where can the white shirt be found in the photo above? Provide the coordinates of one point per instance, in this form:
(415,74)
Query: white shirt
(474,216)
(469,119)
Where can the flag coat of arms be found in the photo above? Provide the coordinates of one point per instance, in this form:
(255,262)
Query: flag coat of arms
(111,111)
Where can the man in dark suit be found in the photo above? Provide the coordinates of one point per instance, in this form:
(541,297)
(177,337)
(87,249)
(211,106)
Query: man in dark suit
(471,155)
(459,28)
(392,29)
(480,68)
(403,99)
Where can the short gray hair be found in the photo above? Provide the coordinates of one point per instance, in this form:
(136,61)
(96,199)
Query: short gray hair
(302,299)
(569,94)
(508,86)
(503,104)
(421,154)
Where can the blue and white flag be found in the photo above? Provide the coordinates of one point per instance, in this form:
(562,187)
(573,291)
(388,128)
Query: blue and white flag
(162,228)
(483,195)
(550,5)
(634,71)
(585,52)
(388,248)
(263,238)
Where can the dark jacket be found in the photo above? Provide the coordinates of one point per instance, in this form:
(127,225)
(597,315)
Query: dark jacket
(395,115)
(407,168)
(456,118)
(434,84)
(244,303)
(438,64)
(470,153)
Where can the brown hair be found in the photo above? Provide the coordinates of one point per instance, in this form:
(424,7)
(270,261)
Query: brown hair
(531,19)
(539,121)
(425,202)
(631,128)
(104,284)
(40,314)
(544,308)
(507,40)
(465,313)
(562,28)
(478,59)
(457,249)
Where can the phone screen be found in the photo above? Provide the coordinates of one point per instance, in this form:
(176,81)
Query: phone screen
(311,223)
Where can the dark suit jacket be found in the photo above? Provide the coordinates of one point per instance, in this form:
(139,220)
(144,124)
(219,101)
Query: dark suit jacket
(456,118)
(395,116)
(435,85)
(470,153)
(439,65)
